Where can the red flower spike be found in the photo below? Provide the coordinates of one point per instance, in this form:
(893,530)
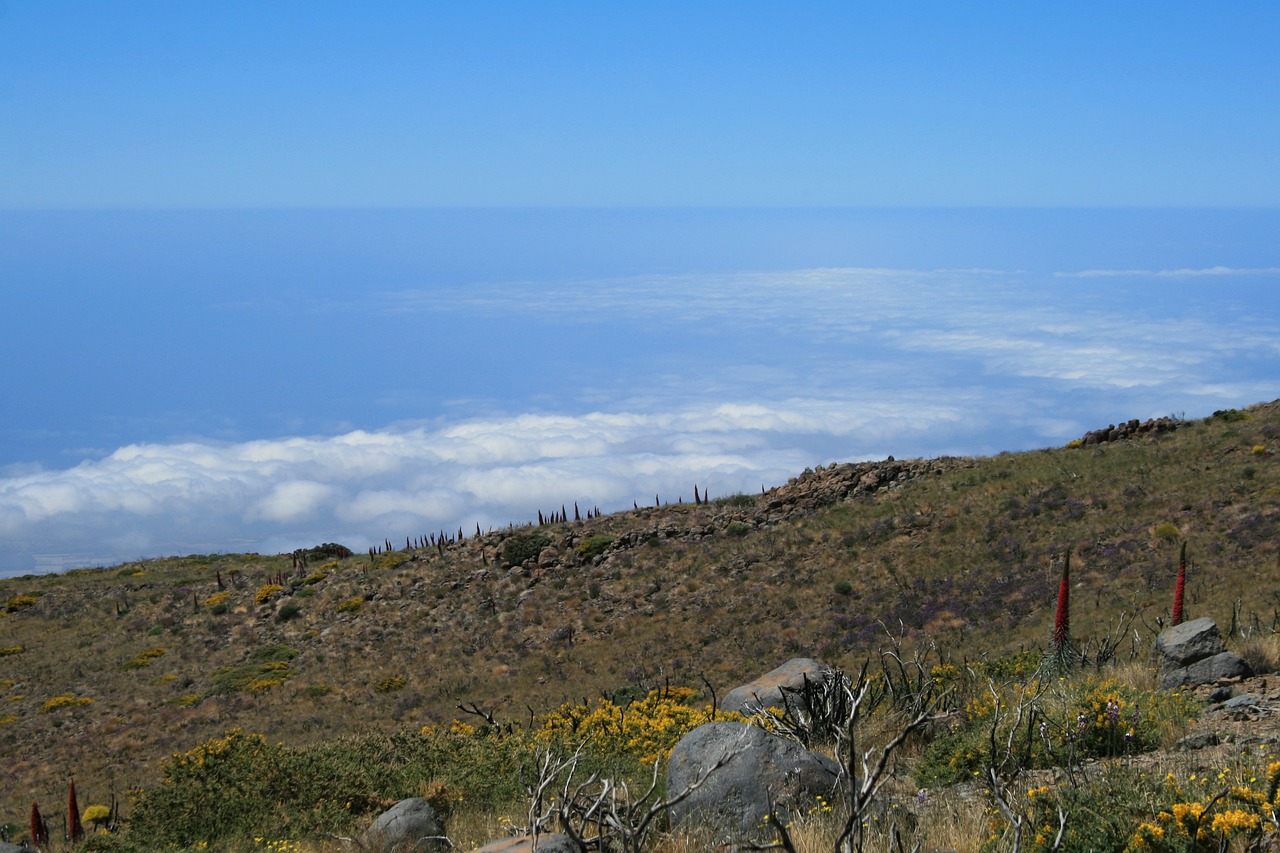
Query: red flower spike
(1178,587)
(1062,619)
(75,831)
(39,832)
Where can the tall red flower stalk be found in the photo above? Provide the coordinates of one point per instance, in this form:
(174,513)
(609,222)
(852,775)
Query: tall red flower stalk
(75,831)
(1062,619)
(1178,587)
(39,832)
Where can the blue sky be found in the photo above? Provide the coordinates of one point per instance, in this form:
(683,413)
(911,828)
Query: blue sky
(232,104)
(278,274)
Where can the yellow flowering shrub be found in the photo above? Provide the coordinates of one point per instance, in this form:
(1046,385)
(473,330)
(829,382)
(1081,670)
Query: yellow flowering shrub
(644,730)
(6,651)
(64,700)
(218,598)
(19,602)
(264,593)
(145,658)
(95,814)
(351,604)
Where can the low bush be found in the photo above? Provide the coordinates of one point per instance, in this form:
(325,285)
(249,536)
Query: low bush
(593,546)
(522,546)
(1074,721)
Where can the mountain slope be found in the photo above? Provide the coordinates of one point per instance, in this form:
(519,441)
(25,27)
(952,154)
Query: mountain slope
(104,672)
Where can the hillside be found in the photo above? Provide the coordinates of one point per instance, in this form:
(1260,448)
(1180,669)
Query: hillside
(107,671)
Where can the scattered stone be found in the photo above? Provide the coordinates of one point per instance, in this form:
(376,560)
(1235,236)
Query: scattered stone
(409,825)
(6,847)
(761,769)
(547,843)
(1221,694)
(1201,740)
(766,691)
(1247,700)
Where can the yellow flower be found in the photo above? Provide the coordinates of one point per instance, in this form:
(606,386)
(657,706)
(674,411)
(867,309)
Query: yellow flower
(1225,823)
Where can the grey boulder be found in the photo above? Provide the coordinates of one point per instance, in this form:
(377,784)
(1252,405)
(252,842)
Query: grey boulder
(759,770)
(409,825)
(767,690)
(1180,645)
(1207,671)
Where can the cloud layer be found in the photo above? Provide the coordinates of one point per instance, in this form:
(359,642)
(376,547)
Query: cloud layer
(761,376)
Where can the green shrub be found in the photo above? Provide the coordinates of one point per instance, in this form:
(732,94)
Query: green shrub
(522,546)
(737,528)
(737,501)
(593,546)
(288,610)
(843,588)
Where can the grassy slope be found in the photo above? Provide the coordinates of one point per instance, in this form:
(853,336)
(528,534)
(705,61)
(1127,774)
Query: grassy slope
(964,557)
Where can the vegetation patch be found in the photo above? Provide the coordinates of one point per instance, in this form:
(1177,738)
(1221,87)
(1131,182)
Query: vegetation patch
(19,602)
(593,546)
(144,659)
(64,700)
(264,593)
(526,545)
(267,667)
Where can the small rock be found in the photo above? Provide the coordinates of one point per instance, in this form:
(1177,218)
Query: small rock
(1222,694)
(409,825)
(1202,740)
(547,843)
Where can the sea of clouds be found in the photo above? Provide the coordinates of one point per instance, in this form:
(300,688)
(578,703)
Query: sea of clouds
(728,381)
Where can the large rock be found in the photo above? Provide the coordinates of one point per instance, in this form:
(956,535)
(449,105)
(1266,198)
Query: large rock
(1181,645)
(409,825)
(767,690)
(1207,671)
(548,843)
(761,769)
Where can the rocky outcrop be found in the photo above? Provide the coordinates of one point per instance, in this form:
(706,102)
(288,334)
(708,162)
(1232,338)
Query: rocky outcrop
(777,688)
(1130,430)
(759,769)
(409,825)
(1193,653)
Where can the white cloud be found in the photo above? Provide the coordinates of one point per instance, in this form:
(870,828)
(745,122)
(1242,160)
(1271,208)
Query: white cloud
(1205,272)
